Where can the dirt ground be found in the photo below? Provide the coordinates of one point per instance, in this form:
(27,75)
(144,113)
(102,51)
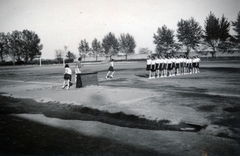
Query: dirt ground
(126,115)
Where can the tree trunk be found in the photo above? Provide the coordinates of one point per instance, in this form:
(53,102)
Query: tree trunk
(213,54)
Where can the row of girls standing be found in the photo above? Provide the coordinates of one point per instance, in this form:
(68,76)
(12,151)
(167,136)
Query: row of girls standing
(161,66)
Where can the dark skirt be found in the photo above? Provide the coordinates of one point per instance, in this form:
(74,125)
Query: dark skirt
(161,66)
(111,69)
(194,64)
(164,66)
(177,65)
(190,66)
(169,67)
(148,68)
(153,69)
(181,64)
(67,77)
(197,64)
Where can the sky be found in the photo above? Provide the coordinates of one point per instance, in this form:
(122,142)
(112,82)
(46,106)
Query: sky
(60,23)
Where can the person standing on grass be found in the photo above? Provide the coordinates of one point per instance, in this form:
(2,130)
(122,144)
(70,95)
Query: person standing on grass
(194,65)
(173,66)
(161,66)
(198,60)
(165,63)
(78,66)
(67,77)
(153,67)
(157,63)
(148,66)
(184,64)
(190,65)
(169,66)
(110,69)
(177,65)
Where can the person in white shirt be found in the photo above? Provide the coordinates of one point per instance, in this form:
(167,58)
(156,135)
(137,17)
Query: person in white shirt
(173,71)
(157,63)
(169,65)
(198,60)
(148,66)
(153,67)
(110,69)
(161,64)
(67,77)
(78,66)
(177,65)
(165,64)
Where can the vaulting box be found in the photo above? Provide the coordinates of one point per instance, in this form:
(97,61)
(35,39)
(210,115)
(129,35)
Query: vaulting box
(87,79)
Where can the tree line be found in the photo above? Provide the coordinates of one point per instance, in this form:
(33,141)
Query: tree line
(110,45)
(25,45)
(19,45)
(214,37)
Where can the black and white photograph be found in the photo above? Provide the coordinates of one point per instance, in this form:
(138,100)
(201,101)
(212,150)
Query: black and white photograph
(119,78)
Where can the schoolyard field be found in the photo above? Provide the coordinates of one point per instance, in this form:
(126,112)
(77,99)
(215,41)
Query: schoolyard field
(185,115)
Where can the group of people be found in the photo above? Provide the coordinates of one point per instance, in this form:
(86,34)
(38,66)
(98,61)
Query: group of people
(167,66)
(158,66)
(67,83)
(68,74)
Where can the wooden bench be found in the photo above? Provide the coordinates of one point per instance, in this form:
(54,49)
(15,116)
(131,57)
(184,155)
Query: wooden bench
(87,79)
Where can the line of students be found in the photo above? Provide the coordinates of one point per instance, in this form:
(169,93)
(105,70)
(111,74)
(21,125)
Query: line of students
(161,66)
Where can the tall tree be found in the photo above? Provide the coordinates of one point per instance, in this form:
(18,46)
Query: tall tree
(59,55)
(216,33)
(31,45)
(144,51)
(127,44)
(83,48)
(110,44)
(3,43)
(13,45)
(236,28)
(189,33)
(96,47)
(70,55)
(164,40)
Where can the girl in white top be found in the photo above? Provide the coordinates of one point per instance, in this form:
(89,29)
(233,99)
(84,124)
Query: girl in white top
(198,60)
(169,65)
(194,64)
(78,66)
(165,63)
(110,69)
(157,62)
(177,65)
(161,62)
(188,61)
(184,65)
(153,67)
(148,66)
(173,71)
(67,77)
